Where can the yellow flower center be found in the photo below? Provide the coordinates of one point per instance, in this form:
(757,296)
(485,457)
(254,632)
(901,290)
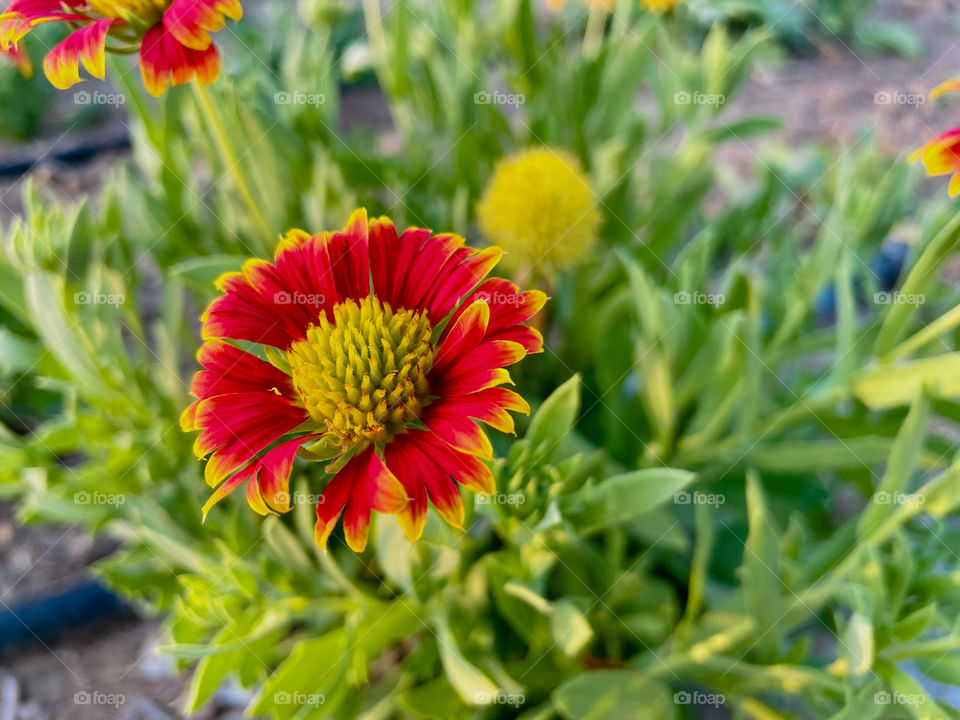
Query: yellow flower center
(364,375)
(147,10)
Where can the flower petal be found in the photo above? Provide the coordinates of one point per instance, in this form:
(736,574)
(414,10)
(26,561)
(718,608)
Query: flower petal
(86,45)
(237,426)
(192,21)
(164,61)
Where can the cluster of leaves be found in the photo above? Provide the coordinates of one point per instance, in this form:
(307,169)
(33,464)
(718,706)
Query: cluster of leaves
(744,492)
(801,27)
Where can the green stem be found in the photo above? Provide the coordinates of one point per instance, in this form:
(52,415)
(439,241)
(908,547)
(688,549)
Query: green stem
(120,74)
(593,37)
(918,279)
(938,327)
(230,159)
(330,565)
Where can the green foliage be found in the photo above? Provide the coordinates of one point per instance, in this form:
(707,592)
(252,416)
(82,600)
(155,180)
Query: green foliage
(728,492)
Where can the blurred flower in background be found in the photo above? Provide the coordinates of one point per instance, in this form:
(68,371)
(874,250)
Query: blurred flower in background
(363,378)
(659,6)
(941,155)
(540,208)
(171,36)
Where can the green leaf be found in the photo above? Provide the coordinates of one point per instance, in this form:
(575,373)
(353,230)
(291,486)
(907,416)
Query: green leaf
(892,385)
(744,128)
(44,294)
(614,695)
(473,687)
(762,586)
(310,668)
(554,419)
(919,281)
(570,628)
(901,465)
(395,553)
(858,645)
(623,497)
(204,270)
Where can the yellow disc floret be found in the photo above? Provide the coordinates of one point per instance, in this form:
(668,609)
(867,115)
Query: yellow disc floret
(364,375)
(540,208)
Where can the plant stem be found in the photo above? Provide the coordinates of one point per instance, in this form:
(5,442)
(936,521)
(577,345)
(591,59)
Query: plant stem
(593,37)
(230,159)
(330,565)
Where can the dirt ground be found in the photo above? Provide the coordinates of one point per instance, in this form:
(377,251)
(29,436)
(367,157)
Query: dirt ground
(829,98)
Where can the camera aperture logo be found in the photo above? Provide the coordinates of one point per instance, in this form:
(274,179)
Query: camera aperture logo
(682,497)
(99,498)
(699,298)
(297,97)
(299,699)
(913,700)
(299,298)
(499,698)
(896,97)
(486,97)
(96,97)
(899,298)
(696,697)
(91,298)
(500,499)
(95,697)
(699,98)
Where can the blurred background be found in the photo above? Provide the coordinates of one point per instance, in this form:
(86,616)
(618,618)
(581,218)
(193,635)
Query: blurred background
(833,79)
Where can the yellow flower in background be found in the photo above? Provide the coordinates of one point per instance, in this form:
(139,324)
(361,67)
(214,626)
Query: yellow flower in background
(659,6)
(539,207)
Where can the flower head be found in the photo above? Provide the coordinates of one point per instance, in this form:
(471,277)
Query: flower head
(172,36)
(659,6)
(383,349)
(941,155)
(540,208)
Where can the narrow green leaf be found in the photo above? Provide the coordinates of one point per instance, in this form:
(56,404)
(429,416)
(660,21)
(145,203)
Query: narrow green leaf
(762,586)
(614,695)
(623,497)
(473,687)
(903,460)
(918,282)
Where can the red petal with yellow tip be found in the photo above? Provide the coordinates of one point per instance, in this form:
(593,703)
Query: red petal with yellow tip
(228,369)
(465,469)
(86,45)
(464,335)
(460,432)
(331,504)
(192,21)
(236,427)
(356,520)
(382,491)
(165,61)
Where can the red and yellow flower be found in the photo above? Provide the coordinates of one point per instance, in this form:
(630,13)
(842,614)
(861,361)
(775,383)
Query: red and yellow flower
(381,349)
(19,58)
(941,155)
(172,36)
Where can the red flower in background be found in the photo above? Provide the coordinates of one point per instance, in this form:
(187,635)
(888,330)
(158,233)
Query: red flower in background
(382,348)
(172,36)
(941,155)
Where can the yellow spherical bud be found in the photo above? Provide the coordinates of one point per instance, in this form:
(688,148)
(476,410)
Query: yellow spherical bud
(659,6)
(540,209)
